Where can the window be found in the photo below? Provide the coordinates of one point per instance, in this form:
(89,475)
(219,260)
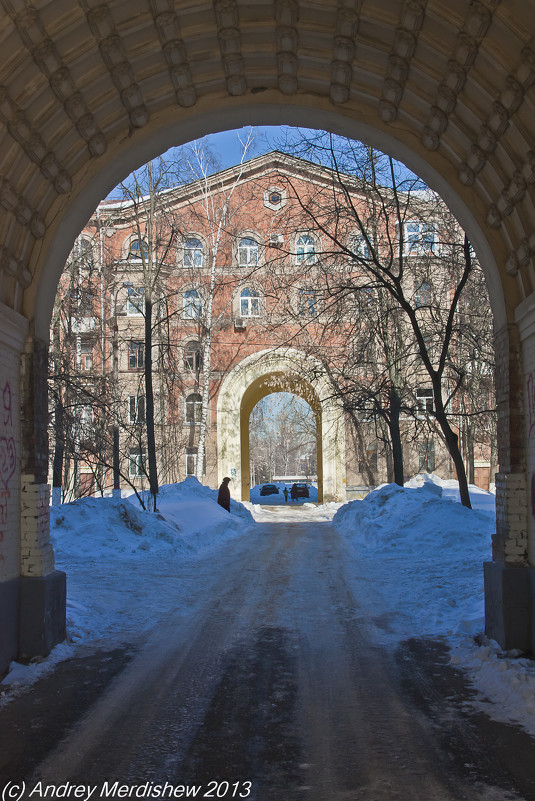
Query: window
(191,461)
(138,249)
(85,302)
(427,461)
(136,354)
(136,462)
(365,298)
(87,419)
(420,238)
(307,302)
(425,401)
(274,198)
(247,252)
(193,408)
(423,295)
(360,247)
(306,251)
(136,409)
(192,305)
(86,251)
(86,362)
(135,304)
(193,356)
(369,461)
(193,252)
(249,303)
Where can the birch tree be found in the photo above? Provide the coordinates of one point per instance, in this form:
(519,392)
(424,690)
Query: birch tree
(213,207)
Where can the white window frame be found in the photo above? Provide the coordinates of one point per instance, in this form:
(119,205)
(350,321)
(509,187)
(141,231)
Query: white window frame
(192,310)
(193,256)
(136,462)
(361,247)
(427,451)
(136,409)
(248,252)
(190,458)
(134,352)
(86,357)
(305,249)
(423,295)
(196,406)
(193,348)
(425,401)
(133,308)
(86,419)
(142,247)
(307,302)
(249,303)
(419,238)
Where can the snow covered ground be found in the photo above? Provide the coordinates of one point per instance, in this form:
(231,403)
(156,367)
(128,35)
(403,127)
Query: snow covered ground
(419,551)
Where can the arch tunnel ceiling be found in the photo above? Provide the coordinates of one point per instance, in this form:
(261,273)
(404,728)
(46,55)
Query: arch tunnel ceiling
(90,90)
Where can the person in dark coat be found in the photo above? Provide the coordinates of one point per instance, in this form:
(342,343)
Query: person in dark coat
(223,496)
(293,492)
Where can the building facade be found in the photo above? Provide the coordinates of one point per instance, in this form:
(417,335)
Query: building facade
(181,307)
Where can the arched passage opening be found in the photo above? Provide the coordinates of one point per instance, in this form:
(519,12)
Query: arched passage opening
(250,381)
(283,445)
(261,388)
(90,94)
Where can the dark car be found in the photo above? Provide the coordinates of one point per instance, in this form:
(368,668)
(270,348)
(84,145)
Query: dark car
(302,490)
(269,489)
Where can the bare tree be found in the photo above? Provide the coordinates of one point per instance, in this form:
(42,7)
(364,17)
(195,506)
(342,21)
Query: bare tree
(377,221)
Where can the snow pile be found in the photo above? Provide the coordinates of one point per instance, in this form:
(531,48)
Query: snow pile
(417,521)
(123,563)
(422,555)
(188,518)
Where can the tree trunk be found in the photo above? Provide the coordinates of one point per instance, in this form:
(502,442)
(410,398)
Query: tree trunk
(59,450)
(469,439)
(149,406)
(452,444)
(395,436)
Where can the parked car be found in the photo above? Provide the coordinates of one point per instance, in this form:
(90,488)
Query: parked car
(302,490)
(269,489)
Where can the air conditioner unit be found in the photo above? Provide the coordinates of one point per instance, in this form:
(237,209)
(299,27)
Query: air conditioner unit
(240,322)
(276,240)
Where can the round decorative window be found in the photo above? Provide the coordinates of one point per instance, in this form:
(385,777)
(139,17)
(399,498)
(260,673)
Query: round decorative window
(275,198)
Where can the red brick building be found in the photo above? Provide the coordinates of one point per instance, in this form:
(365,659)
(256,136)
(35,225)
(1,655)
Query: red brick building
(226,276)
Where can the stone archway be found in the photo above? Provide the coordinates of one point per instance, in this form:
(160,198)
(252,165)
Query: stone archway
(90,90)
(251,380)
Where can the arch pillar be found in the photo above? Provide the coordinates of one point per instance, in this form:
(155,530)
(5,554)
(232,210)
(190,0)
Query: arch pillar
(32,592)
(510,577)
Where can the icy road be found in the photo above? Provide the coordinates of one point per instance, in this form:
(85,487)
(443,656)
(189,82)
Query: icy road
(272,687)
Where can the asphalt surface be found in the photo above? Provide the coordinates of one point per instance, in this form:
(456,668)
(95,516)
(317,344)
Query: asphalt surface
(272,688)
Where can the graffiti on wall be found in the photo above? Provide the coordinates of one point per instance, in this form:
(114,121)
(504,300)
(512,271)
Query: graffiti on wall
(531,404)
(8,461)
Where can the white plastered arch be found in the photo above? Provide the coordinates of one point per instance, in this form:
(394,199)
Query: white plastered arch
(254,378)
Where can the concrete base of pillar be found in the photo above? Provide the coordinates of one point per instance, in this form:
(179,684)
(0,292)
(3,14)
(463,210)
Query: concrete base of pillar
(43,603)
(510,605)
(9,623)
